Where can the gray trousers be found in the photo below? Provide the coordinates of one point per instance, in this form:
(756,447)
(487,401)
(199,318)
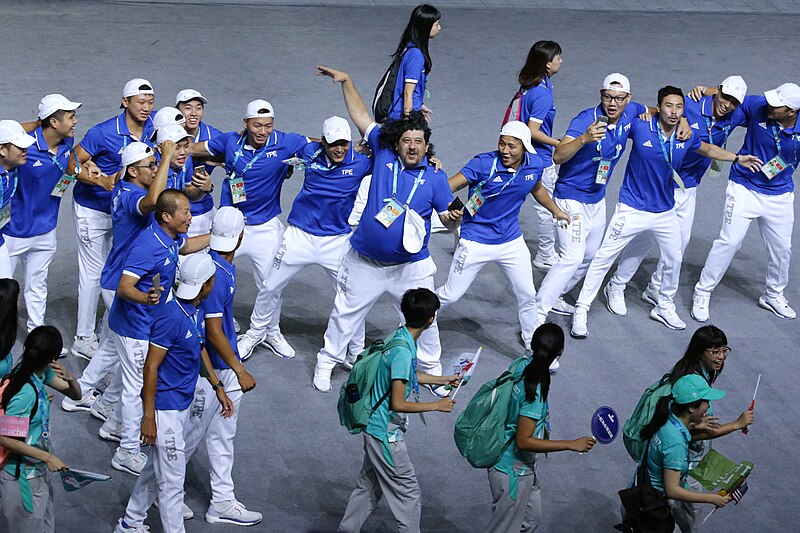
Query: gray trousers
(523,514)
(18,520)
(397,483)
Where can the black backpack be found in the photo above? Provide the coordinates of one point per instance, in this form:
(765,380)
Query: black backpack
(384,99)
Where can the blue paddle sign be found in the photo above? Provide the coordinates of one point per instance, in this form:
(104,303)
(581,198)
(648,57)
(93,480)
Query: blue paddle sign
(605,425)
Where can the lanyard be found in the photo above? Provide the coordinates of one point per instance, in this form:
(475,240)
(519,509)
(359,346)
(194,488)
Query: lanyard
(311,163)
(414,382)
(180,179)
(239,152)
(671,141)
(193,318)
(172,248)
(725,132)
(417,181)
(61,168)
(12,173)
(680,426)
(795,141)
(491,173)
(44,411)
(617,144)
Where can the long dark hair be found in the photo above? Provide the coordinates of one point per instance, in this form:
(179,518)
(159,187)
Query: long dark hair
(535,69)
(547,344)
(691,363)
(9,293)
(418,32)
(42,346)
(661,415)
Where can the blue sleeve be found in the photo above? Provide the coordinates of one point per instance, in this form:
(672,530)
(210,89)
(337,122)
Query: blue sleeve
(214,132)
(129,201)
(694,142)
(637,108)
(139,260)
(164,332)
(366,165)
(294,142)
(751,104)
(537,102)
(372,139)
(577,127)
(214,305)
(442,195)
(216,145)
(738,118)
(401,366)
(93,142)
(413,65)
(474,170)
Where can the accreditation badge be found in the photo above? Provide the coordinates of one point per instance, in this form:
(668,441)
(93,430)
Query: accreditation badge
(62,186)
(475,202)
(5,215)
(716,168)
(601,178)
(237,189)
(774,166)
(389,213)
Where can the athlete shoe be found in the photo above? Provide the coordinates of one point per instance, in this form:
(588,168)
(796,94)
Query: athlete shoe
(122,527)
(63,353)
(111,430)
(322,378)
(84,404)
(277,343)
(85,347)
(561,307)
(555,365)
(350,360)
(700,306)
(541,262)
(236,327)
(778,305)
(650,295)
(246,344)
(615,299)
(668,317)
(130,462)
(101,410)
(186,511)
(232,512)
(580,329)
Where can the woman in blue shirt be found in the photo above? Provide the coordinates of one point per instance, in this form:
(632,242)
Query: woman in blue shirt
(516,499)
(9,293)
(410,87)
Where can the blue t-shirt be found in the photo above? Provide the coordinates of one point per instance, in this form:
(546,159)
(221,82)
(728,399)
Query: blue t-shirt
(264,179)
(9,180)
(127,222)
(153,251)
(178,327)
(537,105)
(760,142)
(205,204)
(700,116)
(412,70)
(329,191)
(398,362)
(219,304)
(181,177)
(648,183)
(34,210)
(371,238)
(105,142)
(577,178)
(669,449)
(504,191)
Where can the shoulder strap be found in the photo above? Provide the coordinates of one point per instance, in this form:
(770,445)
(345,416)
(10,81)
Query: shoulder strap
(386,347)
(643,474)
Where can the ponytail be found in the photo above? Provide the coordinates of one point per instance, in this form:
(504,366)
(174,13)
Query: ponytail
(660,417)
(547,344)
(42,346)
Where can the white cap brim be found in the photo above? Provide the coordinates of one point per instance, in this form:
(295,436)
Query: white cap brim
(773,99)
(23,141)
(220,243)
(336,136)
(186,291)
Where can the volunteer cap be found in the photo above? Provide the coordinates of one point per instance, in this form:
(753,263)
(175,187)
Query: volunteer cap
(787,95)
(12,132)
(735,87)
(336,129)
(137,86)
(55,102)
(135,152)
(616,77)
(520,131)
(168,115)
(259,109)
(172,132)
(190,94)
(228,224)
(195,270)
(694,387)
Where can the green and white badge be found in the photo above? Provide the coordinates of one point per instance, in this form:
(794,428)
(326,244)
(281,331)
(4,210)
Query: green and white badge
(475,202)
(237,189)
(774,166)
(5,216)
(601,178)
(389,213)
(716,168)
(62,185)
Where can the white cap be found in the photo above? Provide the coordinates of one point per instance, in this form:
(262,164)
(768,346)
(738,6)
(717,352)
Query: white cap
(259,109)
(520,131)
(137,86)
(172,132)
(414,232)
(735,87)
(168,115)
(622,80)
(12,132)
(195,270)
(55,102)
(228,224)
(336,129)
(135,152)
(787,95)
(189,94)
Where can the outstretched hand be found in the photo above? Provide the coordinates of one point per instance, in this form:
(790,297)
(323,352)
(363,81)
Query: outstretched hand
(337,76)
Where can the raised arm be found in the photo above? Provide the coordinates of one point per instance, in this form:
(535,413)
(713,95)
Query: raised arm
(713,151)
(352,99)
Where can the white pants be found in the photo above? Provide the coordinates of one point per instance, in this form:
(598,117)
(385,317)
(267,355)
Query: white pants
(35,253)
(513,258)
(637,250)
(547,226)
(163,475)
(201,224)
(132,354)
(260,244)
(624,226)
(105,359)
(576,245)
(94,243)
(359,284)
(775,215)
(5,263)
(299,249)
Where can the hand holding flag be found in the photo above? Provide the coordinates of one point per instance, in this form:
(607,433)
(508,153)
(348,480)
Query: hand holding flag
(745,429)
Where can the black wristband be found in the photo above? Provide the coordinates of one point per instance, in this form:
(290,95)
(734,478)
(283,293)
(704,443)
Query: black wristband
(219,385)
(735,161)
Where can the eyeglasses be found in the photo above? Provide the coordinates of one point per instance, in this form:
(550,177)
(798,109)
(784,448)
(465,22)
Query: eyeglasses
(151,166)
(607,98)
(717,352)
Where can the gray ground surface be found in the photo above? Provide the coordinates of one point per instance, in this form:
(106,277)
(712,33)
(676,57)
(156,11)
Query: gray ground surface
(294,463)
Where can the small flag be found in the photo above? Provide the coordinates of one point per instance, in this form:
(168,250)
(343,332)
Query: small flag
(738,494)
(73,480)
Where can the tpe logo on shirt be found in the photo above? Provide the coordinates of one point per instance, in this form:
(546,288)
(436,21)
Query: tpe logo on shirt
(273,153)
(347,172)
(679,146)
(648,144)
(529,177)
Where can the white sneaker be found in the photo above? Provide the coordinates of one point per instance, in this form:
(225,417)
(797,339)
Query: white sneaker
(246,344)
(542,262)
(562,308)
(322,378)
(111,430)
(63,353)
(130,462)
(85,347)
(700,304)
(580,328)
(350,360)
(555,365)
(650,295)
(615,299)
(84,404)
(232,512)
(277,343)
(668,317)
(186,511)
(122,527)
(101,410)
(778,305)
(236,327)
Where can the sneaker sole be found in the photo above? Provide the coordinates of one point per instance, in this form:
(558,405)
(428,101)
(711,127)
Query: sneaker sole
(561,312)
(577,336)
(98,415)
(694,317)
(75,408)
(211,519)
(542,266)
(276,352)
(105,435)
(122,468)
(648,299)
(658,318)
(765,305)
(80,355)
(608,306)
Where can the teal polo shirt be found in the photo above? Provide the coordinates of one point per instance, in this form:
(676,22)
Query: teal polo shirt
(21,405)
(399,362)
(669,449)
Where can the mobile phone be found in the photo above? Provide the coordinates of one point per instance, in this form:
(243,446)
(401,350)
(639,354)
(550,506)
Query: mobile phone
(602,119)
(456,205)
(157,281)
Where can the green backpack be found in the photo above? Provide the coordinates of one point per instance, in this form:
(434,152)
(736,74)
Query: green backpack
(480,431)
(642,415)
(354,397)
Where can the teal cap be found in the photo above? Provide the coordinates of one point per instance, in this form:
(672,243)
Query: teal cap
(694,387)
